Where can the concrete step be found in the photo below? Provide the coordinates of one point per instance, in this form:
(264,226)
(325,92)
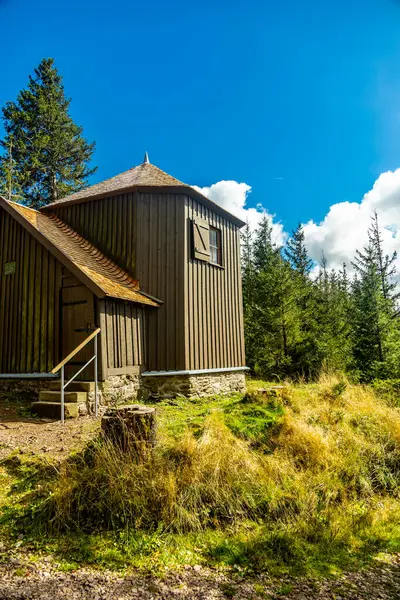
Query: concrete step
(52,410)
(71,397)
(74,386)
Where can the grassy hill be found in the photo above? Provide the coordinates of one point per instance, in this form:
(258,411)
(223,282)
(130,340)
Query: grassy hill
(305,480)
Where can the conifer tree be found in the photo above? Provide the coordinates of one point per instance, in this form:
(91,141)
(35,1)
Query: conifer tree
(10,186)
(46,149)
(249,285)
(296,252)
(385,263)
(375,323)
(273,317)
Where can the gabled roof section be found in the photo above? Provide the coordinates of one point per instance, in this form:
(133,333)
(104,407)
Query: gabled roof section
(85,261)
(142,177)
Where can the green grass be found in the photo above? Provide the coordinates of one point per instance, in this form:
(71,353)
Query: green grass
(304,481)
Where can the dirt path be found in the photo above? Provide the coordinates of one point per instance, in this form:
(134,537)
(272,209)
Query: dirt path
(23,581)
(41,435)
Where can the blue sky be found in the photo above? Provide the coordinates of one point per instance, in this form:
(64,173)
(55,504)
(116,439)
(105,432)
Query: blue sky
(299,100)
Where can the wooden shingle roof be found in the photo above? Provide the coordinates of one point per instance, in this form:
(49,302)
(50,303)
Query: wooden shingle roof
(103,276)
(143,177)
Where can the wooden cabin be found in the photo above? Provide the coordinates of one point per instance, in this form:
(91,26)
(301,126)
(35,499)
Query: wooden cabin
(147,259)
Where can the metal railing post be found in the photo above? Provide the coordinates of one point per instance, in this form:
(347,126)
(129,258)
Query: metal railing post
(62,395)
(96,402)
(60,366)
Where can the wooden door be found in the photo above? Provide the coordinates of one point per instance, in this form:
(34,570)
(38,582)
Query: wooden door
(77,322)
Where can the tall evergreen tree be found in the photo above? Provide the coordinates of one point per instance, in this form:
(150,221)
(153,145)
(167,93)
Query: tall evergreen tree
(296,252)
(385,263)
(375,323)
(44,152)
(10,186)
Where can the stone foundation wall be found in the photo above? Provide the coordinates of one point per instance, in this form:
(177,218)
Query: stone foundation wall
(120,389)
(192,386)
(117,389)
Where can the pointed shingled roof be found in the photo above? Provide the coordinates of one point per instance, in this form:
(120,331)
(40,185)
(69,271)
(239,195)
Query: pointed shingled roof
(142,177)
(102,275)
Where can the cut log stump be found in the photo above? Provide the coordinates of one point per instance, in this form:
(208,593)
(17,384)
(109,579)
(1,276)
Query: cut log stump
(132,427)
(266,395)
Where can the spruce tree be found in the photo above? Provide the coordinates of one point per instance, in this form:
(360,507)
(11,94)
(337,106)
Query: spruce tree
(296,252)
(10,186)
(48,153)
(249,284)
(375,323)
(273,311)
(385,262)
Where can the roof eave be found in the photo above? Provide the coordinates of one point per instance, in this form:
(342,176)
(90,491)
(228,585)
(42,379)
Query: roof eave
(65,260)
(42,239)
(145,188)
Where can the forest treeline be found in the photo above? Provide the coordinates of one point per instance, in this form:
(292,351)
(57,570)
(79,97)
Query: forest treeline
(300,324)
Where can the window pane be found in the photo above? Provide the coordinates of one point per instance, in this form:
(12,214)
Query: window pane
(213,237)
(214,254)
(215,246)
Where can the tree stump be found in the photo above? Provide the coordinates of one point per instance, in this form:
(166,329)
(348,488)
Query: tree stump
(266,395)
(131,427)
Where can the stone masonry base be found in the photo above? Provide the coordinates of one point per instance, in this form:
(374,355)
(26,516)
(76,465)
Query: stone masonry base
(192,385)
(120,389)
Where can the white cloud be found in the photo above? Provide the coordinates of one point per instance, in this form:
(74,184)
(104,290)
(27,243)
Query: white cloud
(344,229)
(232,196)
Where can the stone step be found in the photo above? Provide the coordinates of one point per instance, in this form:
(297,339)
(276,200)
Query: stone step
(71,397)
(52,410)
(74,386)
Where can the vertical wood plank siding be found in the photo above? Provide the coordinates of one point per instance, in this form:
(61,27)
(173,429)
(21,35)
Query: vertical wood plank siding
(29,302)
(213,313)
(123,335)
(109,224)
(144,234)
(159,234)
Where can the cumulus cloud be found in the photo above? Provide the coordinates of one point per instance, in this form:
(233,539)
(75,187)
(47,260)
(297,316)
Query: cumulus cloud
(344,229)
(232,196)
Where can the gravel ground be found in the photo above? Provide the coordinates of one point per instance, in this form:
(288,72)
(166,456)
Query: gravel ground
(20,580)
(41,436)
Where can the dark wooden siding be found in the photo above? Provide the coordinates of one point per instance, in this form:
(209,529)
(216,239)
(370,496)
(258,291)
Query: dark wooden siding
(144,234)
(109,224)
(213,299)
(29,302)
(123,336)
(160,271)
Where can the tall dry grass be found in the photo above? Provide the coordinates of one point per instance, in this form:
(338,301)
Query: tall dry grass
(329,469)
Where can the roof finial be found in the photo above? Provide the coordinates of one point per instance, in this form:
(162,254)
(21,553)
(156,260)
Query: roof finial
(146,159)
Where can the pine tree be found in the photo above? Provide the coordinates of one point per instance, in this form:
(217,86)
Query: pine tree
(272,318)
(385,263)
(367,313)
(10,186)
(248,269)
(296,252)
(375,323)
(249,284)
(50,157)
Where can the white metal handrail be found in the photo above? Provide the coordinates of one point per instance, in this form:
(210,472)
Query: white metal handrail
(61,366)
